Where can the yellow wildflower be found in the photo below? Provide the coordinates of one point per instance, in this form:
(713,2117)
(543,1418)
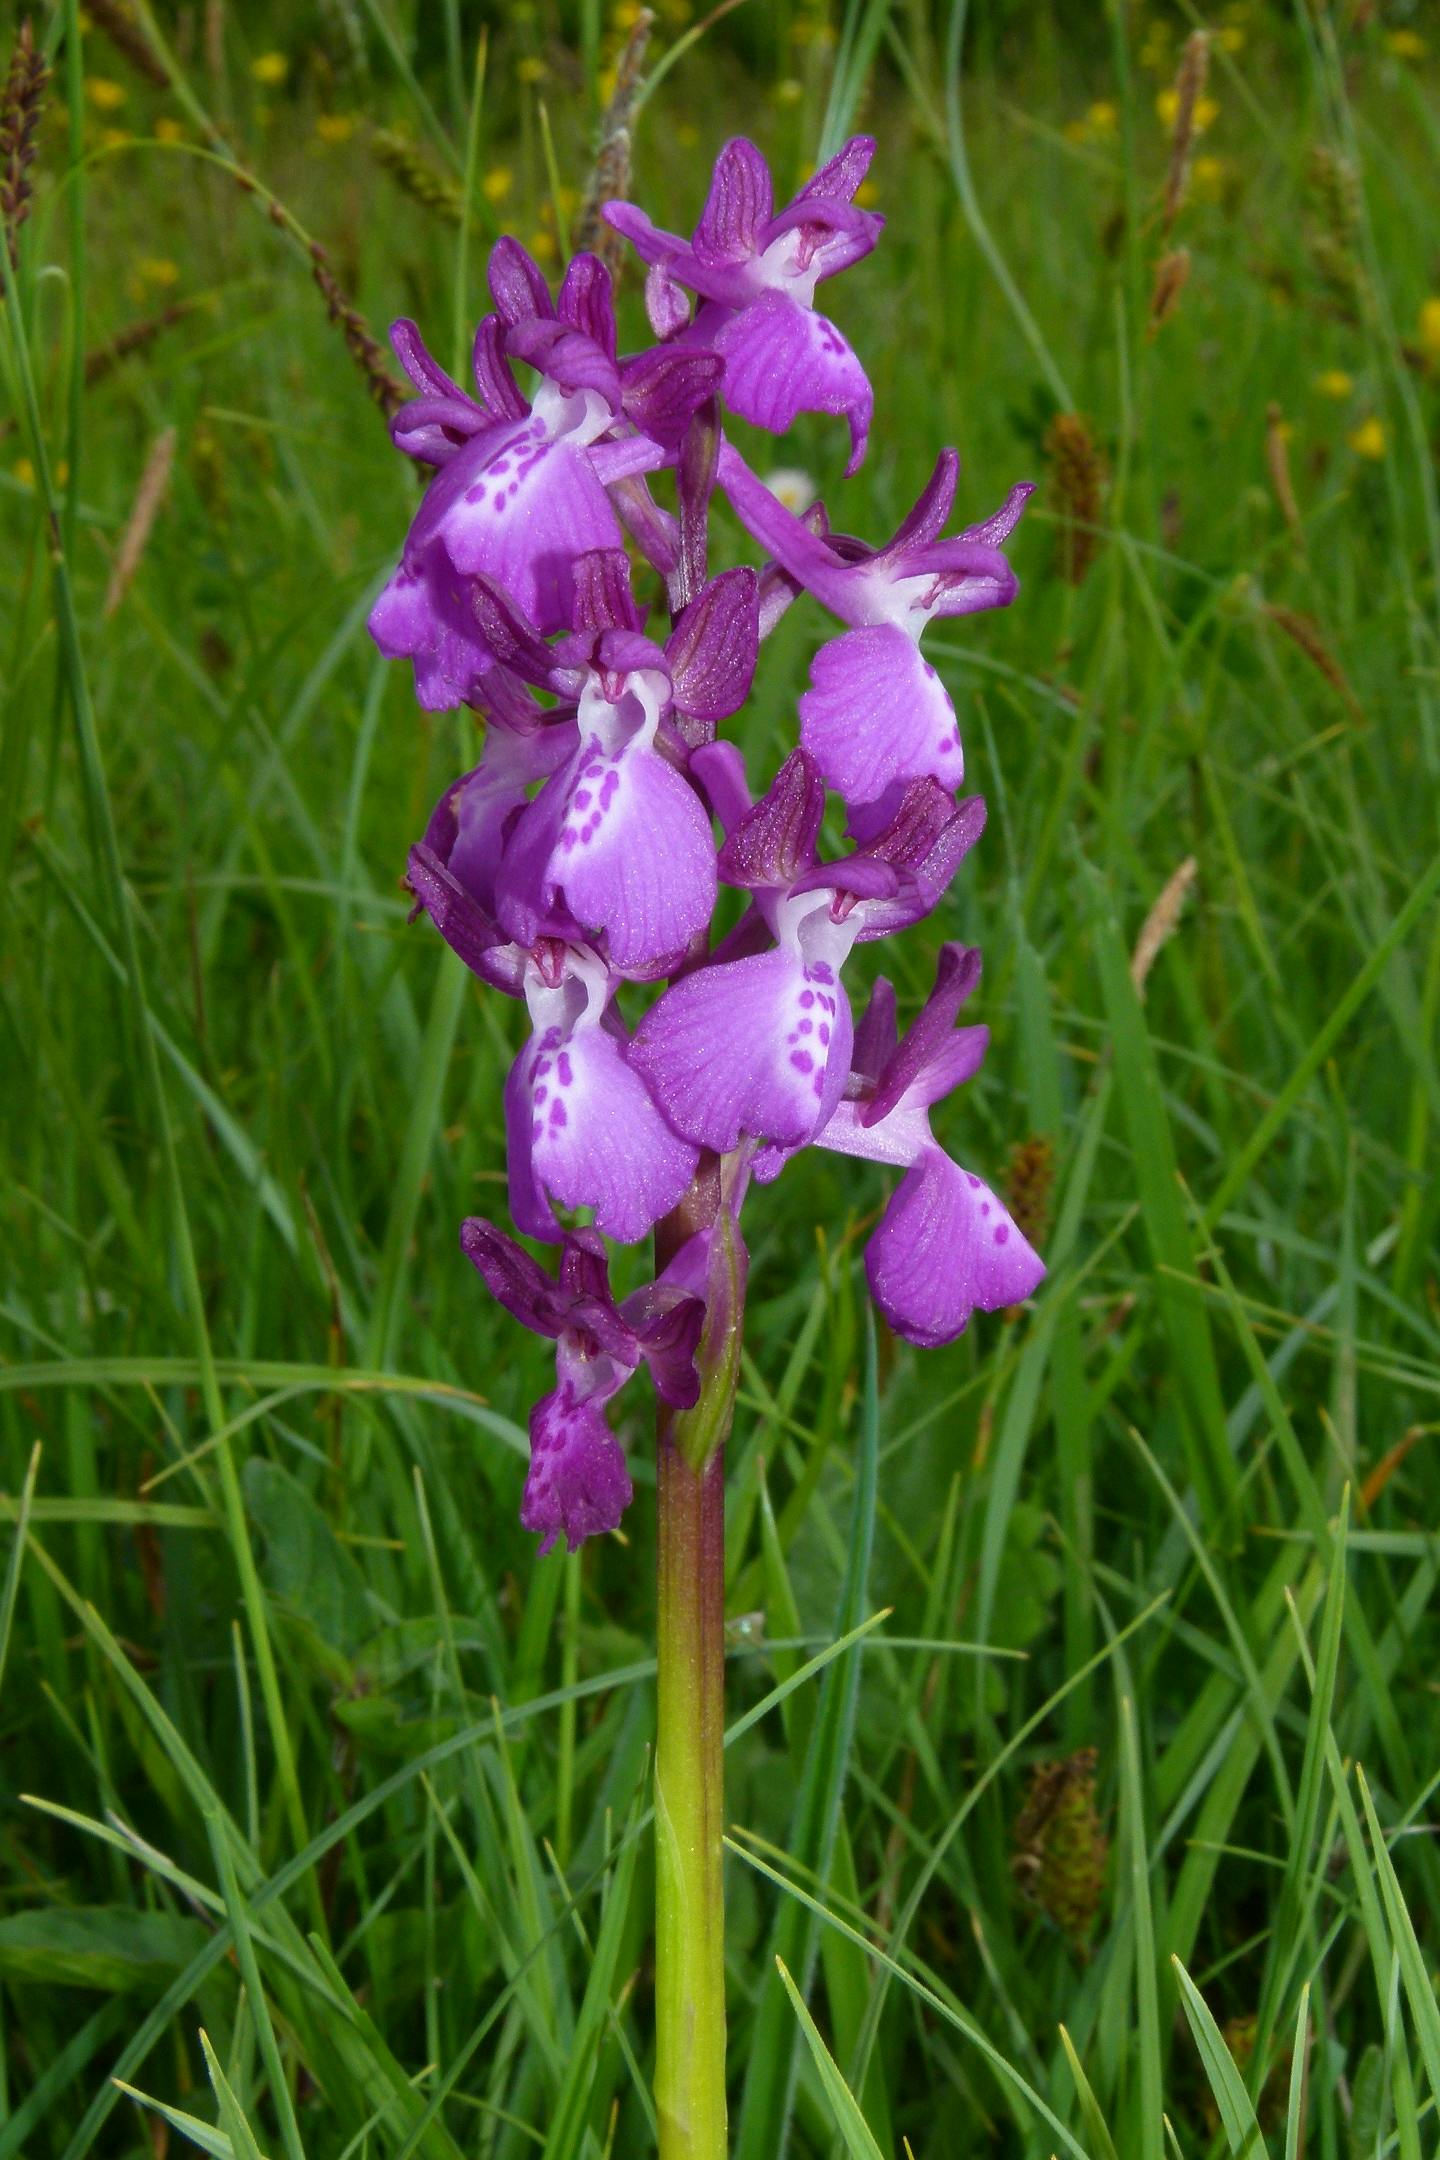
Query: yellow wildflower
(104,95)
(1430,327)
(270,68)
(168,129)
(1368,440)
(542,246)
(1406,44)
(115,138)
(496,184)
(530,69)
(158,270)
(789,91)
(1333,382)
(334,127)
(1207,178)
(1102,118)
(1207,110)
(24,472)
(866,195)
(1230,38)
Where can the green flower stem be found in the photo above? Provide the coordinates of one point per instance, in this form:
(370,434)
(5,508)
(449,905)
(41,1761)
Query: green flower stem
(689,1809)
(690,1718)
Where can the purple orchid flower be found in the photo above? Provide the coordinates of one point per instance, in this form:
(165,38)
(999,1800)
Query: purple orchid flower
(521,485)
(876,714)
(582,1128)
(945,1245)
(617,847)
(758,1045)
(755,271)
(578,1485)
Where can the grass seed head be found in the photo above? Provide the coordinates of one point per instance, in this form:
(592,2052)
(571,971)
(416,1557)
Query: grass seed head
(415,176)
(20,108)
(116,22)
(154,481)
(1172,275)
(1029,1183)
(1061,1846)
(1078,477)
(609,179)
(1189,88)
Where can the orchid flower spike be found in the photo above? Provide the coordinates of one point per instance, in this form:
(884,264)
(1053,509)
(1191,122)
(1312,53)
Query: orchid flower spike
(585,852)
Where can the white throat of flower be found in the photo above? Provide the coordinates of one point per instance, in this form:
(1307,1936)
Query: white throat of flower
(579,416)
(630,724)
(804,927)
(577,1001)
(778,269)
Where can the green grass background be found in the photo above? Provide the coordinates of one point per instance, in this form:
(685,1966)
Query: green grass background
(300,1746)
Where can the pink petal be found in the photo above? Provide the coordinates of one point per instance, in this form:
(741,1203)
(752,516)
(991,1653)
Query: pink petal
(420,617)
(782,359)
(877,712)
(585,1133)
(946,1245)
(759,1046)
(578,1485)
(518,509)
(622,845)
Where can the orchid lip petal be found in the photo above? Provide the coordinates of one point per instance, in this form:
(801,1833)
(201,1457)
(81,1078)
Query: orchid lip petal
(586,1133)
(578,1484)
(759,1046)
(877,712)
(945,1246)
(782,359)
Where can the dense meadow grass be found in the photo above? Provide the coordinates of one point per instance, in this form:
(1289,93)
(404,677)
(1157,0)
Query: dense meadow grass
(323,1802)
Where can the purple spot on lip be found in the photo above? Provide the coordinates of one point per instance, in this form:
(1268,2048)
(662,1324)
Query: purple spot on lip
(566,1070)
(802,1061)
(499,468)
(558,1115)
(974,1181)
(807,998)
(537,1130)
(824,1033)
(542,1068)
(540,1094)
(1002,1233)
(582,798)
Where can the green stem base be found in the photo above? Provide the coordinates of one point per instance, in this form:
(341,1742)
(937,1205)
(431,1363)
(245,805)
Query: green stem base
(689,1806)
